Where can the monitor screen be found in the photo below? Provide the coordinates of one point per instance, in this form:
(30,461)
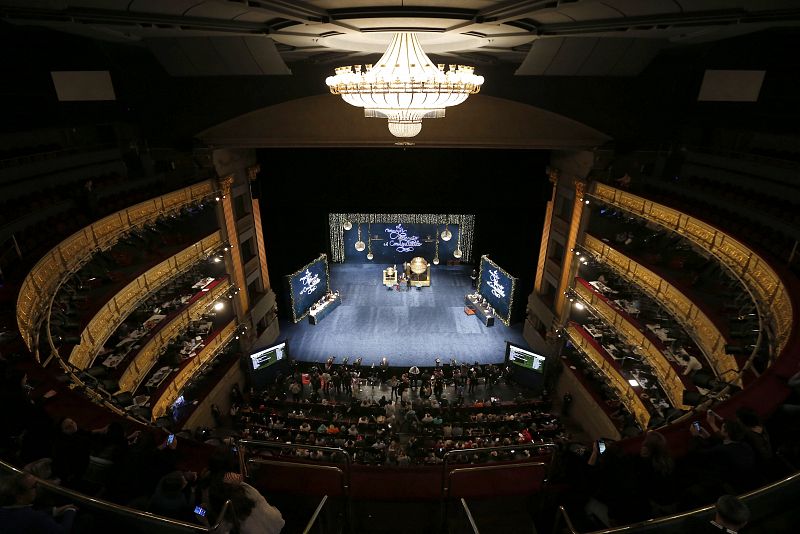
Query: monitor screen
(525,358)
(266,357)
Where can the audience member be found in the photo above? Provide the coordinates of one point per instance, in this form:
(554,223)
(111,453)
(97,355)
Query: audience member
(250,512)
(18,516)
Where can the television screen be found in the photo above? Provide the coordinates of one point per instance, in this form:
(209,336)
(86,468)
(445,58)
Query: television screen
(266,357)
(307,286)
(525,358)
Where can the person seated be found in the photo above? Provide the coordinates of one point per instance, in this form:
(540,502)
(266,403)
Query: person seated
(731,515)
(322,428)
(173,498)
(427,418)
(250,509)
(17,515)
(305,427)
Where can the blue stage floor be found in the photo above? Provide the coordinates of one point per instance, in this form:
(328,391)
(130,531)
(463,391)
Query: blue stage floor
(408,327)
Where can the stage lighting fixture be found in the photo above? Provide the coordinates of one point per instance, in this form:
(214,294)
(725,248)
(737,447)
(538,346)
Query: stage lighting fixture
(219,305)
(579,306)
(633,382)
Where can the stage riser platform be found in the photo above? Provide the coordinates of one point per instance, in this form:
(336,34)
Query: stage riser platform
(410,327)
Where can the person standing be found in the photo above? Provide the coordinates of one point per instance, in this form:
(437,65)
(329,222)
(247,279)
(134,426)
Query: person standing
(393,383)
(413,375)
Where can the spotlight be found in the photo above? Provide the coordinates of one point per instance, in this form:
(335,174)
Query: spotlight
(579,306)
(583,259)
(225,249)
(384,362)
(586,201)
(216,198)
(577,253)
(633,382)
(216,259)
(219,305)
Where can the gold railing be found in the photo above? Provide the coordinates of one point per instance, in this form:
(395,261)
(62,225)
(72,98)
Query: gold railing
(692,319)
(68,256)
(633,403)
(666,374)
(754,271)
(149,353)
(114,312)
(209,352)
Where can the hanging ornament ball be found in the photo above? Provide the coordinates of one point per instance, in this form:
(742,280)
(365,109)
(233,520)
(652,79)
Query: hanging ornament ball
(446,235)
(347,225)
(370,256)
(436,260)
(457,253)
(360,246)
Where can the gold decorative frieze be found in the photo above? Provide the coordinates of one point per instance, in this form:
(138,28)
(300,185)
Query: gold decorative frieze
(68,255)
(162,404)
(704,332)
(667,376)
(759,277)
(627,395)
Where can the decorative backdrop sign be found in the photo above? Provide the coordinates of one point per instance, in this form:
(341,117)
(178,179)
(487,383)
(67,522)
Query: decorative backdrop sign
(397,238)
(497,287)
(307,286)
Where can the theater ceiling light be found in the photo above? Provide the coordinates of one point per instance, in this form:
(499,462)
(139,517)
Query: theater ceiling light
(404,86)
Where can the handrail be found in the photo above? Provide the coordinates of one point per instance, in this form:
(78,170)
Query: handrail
(308,465)
(278,445)
(313,519)
(445,490)
(469,517)
(120,509)
(523,446)
(649,522)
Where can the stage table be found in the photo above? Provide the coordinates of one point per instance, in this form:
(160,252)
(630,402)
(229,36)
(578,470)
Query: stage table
(482,311)
(320,311)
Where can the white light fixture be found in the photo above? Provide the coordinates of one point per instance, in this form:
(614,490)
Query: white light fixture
(633,382)
(360,246)
(579,306)
(404,86)
(219,305)
(347,225)
(436,253)
(369,242)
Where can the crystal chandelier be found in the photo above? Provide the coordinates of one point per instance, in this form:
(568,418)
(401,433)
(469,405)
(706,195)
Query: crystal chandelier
(405,86)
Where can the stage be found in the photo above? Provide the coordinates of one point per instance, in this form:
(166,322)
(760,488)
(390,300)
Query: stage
(410,327)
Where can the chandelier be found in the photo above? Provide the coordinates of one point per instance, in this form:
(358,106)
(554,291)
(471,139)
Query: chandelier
(405,86)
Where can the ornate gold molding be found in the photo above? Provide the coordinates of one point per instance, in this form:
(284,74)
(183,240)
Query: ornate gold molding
(760,278)
(627,395)
(148,355)
(40,285)
(114,312)
(667,376)
(162,404)
(225,184)
(692,319)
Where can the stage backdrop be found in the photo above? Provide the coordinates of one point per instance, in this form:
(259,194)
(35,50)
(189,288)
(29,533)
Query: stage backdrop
(396,238)
(307,286)
(497,287)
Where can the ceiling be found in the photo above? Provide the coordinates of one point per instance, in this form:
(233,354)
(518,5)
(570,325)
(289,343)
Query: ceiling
(541,37)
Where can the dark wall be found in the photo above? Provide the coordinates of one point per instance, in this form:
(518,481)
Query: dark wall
(506,189)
